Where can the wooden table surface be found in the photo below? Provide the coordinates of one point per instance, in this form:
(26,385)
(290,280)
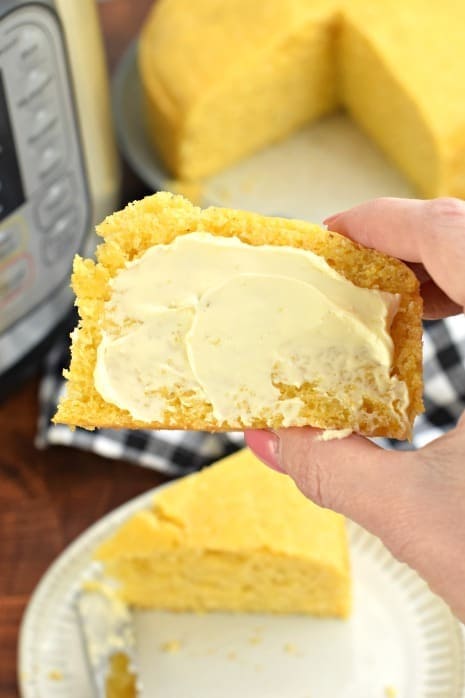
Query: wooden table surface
(48,497)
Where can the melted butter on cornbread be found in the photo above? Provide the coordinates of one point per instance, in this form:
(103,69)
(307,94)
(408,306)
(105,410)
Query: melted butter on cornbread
(228,323)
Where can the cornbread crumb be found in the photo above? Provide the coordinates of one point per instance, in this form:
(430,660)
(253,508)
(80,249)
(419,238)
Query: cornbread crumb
(333,434)
(224,195)
(55,675)
(121,681)
(290,648)
(171,646)
(232,655)
(255,640)
(390,692)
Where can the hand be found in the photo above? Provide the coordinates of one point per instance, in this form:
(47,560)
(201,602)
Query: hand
(414,501)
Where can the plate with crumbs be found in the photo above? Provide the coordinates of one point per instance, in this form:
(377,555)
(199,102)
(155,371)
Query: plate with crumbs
(324,168)
(401,641)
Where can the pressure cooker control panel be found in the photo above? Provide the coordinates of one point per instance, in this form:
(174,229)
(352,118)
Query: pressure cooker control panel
(44,204)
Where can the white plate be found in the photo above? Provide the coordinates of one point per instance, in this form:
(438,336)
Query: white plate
(324,168)
(399,636)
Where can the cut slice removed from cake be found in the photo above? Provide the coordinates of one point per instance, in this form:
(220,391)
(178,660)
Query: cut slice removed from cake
(237,537)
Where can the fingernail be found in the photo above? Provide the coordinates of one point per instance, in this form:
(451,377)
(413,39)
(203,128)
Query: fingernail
(332,219)
(265,445)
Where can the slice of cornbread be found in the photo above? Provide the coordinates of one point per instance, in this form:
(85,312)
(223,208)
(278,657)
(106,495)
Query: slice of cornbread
(356,401)
(236,536)
(222,79)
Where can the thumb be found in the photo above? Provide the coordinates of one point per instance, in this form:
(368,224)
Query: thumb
(352,476)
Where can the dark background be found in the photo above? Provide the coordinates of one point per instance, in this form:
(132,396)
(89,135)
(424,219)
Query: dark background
(48,497)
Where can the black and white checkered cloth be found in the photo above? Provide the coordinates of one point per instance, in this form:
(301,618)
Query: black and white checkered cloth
(178,452)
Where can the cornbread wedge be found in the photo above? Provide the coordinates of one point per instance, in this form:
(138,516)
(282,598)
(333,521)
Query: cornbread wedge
(220,80)
(248,289)
(237,536)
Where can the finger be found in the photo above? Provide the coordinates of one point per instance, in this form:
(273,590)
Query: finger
(264,444)
(352,476)
(386,224)
(436,304)
(431,232)
(419,271)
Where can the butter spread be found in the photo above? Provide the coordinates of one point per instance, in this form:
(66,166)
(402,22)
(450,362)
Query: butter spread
(213,319)
(334,434)
(107,628)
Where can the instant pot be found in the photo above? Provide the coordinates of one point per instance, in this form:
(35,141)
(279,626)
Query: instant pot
(59,171)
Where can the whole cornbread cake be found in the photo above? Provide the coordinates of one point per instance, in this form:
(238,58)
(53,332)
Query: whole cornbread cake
(222,79)
(237,536)
(218,319)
